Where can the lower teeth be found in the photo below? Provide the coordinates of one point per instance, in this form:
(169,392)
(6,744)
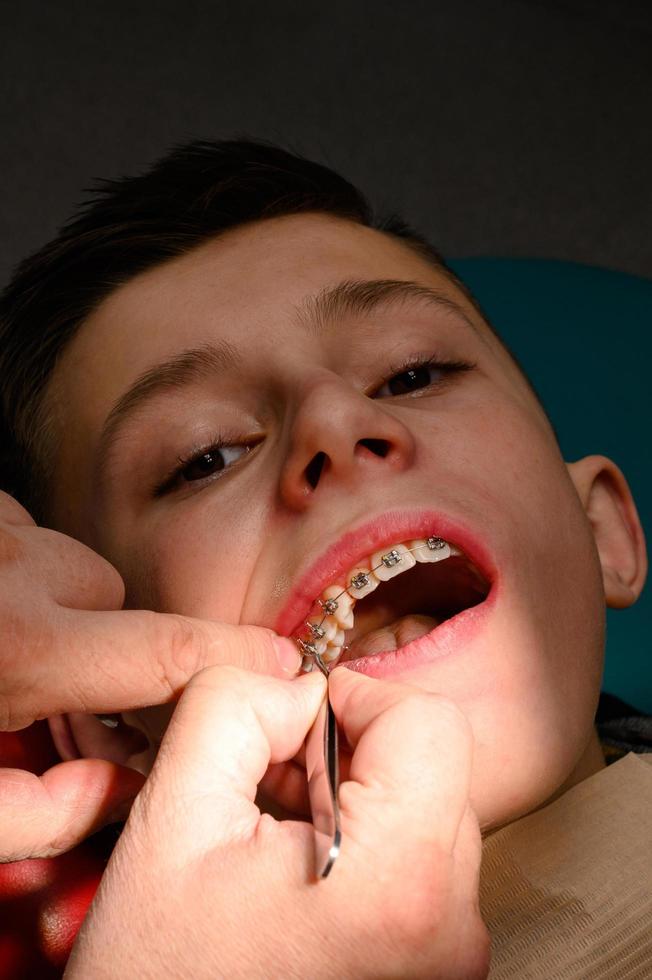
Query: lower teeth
(393,636)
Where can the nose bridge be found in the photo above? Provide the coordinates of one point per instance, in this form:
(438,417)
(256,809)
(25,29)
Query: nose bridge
(338,433)
(329,408)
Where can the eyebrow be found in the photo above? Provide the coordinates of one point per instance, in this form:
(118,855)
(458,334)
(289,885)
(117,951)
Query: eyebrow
(184,369)
(364,296)
(315,314)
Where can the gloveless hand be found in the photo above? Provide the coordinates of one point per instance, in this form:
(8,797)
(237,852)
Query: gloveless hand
(202,885)
(67,645)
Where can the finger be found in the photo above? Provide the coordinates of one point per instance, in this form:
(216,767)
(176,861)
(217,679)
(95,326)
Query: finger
(11,512)
(90,581)
(408,744)
(117,661)
(228,727)
(42,816)
(38,555)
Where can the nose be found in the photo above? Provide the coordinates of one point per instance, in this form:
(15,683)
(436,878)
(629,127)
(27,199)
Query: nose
(340,435)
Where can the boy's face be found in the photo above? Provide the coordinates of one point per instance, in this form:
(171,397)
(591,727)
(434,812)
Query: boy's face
(230,545)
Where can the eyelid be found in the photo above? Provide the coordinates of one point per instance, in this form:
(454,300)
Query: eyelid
(447,366)
(220,440)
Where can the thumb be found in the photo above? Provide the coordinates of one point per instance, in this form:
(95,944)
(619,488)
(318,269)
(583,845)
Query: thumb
(42,816)
(410,773)
(229,725)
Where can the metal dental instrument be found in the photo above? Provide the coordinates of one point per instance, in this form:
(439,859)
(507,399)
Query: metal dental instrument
(321,743)
(323,778)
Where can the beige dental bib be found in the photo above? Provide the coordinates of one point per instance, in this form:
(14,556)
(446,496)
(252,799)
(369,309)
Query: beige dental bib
(566,892)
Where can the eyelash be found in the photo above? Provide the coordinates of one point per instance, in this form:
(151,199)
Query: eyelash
(220,441)
(418,361)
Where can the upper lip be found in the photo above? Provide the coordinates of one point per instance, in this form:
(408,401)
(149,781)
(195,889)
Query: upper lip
(358,543)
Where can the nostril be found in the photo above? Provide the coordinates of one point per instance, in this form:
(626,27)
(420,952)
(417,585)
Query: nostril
(379,447)
(314,468)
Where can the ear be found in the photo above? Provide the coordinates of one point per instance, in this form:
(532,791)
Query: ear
(77,735)
(610,508)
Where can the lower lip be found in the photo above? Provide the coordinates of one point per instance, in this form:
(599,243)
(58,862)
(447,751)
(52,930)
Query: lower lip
(449,638)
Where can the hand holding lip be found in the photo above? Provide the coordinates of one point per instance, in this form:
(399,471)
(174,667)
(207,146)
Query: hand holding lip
(74,648)
(235,888)
(67,646)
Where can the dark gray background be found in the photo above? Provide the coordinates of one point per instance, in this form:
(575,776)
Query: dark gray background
(521,127)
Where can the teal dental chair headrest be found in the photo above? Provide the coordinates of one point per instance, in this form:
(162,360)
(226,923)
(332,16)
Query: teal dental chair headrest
(584,337)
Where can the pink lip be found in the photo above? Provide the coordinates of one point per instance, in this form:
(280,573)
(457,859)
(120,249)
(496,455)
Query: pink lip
(359,543)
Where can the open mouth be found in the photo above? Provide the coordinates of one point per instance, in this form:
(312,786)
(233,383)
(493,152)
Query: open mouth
(412,604)
(391,599)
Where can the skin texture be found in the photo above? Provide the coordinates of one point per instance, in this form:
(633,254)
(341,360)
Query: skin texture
(233,891)
(565,538)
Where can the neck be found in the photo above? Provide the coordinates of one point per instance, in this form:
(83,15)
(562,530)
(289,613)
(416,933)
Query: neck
(591,762)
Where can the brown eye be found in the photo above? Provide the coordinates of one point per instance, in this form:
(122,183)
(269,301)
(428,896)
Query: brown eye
(204,465)
(421,372)
(411,378)
(210,461)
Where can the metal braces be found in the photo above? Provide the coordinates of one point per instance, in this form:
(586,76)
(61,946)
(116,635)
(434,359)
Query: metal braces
(317,632)
(391,558)
(329,606)
(435,543)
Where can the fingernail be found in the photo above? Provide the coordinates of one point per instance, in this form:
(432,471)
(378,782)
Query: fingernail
(287,654)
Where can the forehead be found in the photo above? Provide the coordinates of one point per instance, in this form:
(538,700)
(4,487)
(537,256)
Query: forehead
(281,259)
(245,286)
(259,272)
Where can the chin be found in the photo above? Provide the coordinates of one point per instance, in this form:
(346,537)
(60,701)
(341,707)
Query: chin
(509,782)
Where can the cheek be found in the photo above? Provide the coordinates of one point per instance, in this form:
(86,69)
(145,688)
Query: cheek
(531,684)
(554,581)
(187,565)
(538,514)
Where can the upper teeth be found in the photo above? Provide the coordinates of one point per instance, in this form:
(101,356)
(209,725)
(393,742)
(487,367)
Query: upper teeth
(326,631)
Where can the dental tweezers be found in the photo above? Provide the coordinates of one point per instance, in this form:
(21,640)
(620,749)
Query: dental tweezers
(323,779)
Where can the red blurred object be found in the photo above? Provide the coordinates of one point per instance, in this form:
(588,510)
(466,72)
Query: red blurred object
(43,901)
(31,749)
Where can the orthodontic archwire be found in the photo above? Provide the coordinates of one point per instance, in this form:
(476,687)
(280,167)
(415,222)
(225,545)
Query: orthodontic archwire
(310,654)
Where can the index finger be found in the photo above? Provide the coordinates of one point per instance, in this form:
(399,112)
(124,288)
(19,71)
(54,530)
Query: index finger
(11,512)
(117,661)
